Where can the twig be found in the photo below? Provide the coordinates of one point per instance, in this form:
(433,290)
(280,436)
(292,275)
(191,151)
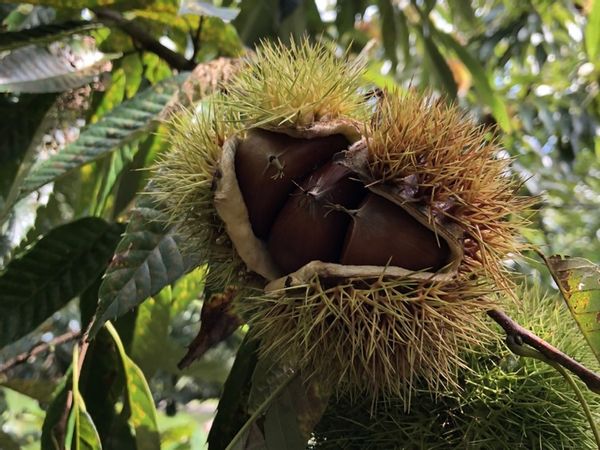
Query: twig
(38,348)
(196,39)
(143,38)
(520,335)
(582,401)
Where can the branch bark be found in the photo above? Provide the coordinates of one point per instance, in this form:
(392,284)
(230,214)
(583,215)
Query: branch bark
(521,336)
(38,348)
(144,39)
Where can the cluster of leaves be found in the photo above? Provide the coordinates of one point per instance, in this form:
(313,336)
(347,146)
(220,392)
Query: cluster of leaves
(84,86)
(96,96)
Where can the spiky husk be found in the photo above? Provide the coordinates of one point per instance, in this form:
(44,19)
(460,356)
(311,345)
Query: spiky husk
(379,336)
(296,87)
(440,160)
(506,402)
(386,336)
(184,179)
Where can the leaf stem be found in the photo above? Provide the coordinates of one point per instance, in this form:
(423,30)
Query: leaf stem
(581,398)
(525,351)
(260,410)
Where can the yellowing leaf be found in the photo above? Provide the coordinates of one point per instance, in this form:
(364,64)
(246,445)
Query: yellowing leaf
(139,402)
(579,282)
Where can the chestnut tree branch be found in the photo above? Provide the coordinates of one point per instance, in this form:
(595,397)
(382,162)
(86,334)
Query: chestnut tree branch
(196,38)
(38,348)
(144,39)
(517,334)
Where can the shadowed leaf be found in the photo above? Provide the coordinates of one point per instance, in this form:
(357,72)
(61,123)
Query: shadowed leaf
(480,80)
(147,259)
(44,33)
(38,70)
(85,434)
(59,267)
(281,425)
(440,66)
(388,30)
(20,118)
(50,427)
(231,412)
(292,415)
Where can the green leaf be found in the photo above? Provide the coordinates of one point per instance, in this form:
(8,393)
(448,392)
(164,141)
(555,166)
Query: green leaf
(139,402)
(21,116)
(463,9)
(79,4)
(134,71)
(41,390)
(150,345)
(113,95)
(388,30)
(480,80)
(146,260)
(44,33)
(115,164)
(579,282)
(38,70)
(117,128)
(59,267)
(207,9)
(231,412)
(153,348)
(86,437)
(592,33)
(374,76)
(187,289)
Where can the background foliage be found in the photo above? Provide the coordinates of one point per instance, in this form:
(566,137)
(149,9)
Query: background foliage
(84,85)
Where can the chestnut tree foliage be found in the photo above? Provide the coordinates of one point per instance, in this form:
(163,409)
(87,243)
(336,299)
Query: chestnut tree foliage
(85,88)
